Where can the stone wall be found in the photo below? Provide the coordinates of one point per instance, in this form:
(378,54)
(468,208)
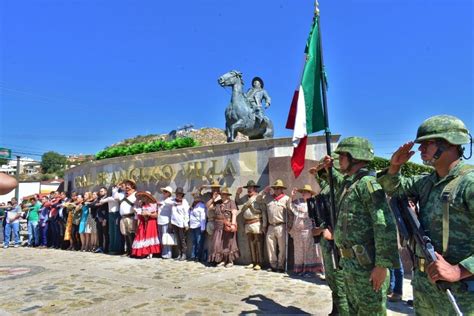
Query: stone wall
(232,164)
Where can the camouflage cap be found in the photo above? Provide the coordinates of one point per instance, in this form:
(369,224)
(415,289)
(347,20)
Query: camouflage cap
(446,127)
(359,148)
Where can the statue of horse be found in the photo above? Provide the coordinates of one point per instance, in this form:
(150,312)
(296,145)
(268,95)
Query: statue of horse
(239,116)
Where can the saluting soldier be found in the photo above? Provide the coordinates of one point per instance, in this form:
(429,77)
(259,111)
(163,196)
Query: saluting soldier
(446,212)
(365,232)
(255,216)
(334,277)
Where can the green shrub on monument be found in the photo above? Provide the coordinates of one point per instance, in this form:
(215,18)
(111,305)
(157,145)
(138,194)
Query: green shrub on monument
(408,169)
(146,147)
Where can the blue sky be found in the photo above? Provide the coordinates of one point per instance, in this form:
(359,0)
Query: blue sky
(76,76)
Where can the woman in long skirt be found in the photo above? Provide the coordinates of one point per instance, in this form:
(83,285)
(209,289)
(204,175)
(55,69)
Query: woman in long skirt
(223,248)
(306,259)
(146,242)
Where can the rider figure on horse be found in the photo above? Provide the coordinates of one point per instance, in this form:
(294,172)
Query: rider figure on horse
(255,96)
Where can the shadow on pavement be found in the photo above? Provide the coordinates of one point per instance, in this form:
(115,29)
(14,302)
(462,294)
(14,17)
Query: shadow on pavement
(268,306)
(400,307)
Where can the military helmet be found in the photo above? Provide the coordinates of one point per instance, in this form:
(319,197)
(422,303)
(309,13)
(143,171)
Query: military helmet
(446,127)
(359,148)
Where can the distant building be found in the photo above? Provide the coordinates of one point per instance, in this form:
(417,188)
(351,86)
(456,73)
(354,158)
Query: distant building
(27,165)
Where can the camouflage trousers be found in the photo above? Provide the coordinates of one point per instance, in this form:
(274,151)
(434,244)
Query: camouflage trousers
(429,300)
(335,280)
(362,299)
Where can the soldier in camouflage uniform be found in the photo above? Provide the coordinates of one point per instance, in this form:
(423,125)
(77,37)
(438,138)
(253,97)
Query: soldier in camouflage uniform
(446,212)
(365,232)
(334,277)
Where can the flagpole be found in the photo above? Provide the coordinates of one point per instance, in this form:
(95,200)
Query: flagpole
(334,254)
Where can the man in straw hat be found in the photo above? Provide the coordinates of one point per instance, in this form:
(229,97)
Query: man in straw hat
(278,206)
(255,216)
(128,224)
(164,216)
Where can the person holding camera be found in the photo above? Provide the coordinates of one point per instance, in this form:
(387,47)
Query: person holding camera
(223,248)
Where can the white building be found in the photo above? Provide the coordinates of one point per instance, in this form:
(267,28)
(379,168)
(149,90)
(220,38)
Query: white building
(27,165)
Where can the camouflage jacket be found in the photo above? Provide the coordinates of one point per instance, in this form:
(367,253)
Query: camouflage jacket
(427,190)
(365,219)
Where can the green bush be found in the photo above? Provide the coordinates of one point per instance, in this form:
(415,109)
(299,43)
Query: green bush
(408,169)
(140,148)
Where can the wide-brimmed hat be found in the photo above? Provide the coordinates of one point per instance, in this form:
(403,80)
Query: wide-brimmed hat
(225,190)
(278,184)
(167,189)
(179,190)
(146,197)
(132,182)
(307,188)
(250,184)
(215,184)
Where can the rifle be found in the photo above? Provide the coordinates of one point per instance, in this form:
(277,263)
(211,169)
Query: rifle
(410,227)
(319,210)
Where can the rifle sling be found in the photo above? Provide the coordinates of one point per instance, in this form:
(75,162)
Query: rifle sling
(447,198)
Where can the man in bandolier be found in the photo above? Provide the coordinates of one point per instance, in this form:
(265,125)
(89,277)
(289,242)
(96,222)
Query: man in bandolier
(255,216)
(128,224)
(334,277)
(446,213)
(278,206)
(365,231)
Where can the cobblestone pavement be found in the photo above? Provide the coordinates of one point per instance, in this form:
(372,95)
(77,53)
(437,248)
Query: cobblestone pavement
(47,281)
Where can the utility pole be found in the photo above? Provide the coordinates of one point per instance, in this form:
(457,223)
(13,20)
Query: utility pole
(17,190)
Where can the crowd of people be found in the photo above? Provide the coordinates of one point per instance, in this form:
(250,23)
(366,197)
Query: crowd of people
(358,242)
(123,221)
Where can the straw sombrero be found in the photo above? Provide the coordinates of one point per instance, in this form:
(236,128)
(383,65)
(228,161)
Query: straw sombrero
(146,197)
(215,184)
(278,184)
(167,189)
(225,190)
(307,188)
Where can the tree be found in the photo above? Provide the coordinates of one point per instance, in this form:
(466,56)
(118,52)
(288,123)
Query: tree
(52,162)
(3,161)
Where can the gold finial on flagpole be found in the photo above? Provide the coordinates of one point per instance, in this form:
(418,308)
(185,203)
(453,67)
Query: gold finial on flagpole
(316,7)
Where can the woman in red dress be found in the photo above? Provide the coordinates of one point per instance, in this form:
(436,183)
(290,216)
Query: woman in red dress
(146,242)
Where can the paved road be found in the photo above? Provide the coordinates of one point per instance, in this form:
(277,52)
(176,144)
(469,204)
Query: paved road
(47,281)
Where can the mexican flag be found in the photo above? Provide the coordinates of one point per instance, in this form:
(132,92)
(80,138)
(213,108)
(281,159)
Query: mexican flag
(306,112)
